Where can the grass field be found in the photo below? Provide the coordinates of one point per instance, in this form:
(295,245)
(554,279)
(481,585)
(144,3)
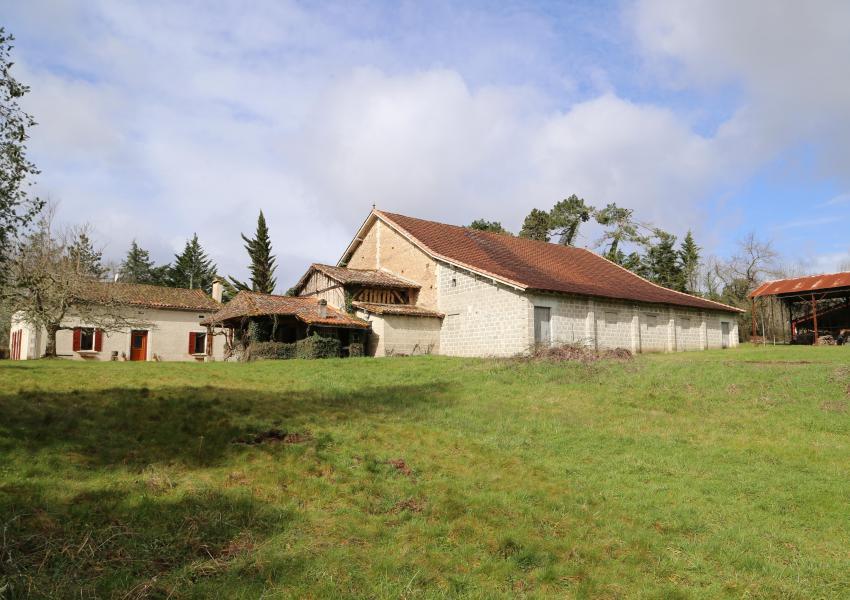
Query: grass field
(704,475)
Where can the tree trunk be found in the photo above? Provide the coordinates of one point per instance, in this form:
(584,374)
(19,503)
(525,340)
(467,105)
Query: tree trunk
(50,350)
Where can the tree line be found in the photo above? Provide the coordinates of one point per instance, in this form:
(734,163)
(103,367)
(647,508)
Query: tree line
(652,252)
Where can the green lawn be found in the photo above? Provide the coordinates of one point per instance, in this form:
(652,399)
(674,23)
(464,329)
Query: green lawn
(704,475)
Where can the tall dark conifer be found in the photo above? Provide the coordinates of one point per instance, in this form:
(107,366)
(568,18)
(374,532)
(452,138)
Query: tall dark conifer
(137,267)
(85,258)
(262,265)
(192,268)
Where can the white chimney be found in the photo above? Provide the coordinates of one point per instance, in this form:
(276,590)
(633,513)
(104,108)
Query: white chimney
(217,290)
(323,309)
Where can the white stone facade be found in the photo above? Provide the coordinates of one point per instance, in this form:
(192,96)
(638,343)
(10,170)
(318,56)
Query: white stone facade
(397,335)
(168,337)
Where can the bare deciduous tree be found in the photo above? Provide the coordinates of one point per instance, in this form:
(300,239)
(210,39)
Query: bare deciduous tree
(47,285)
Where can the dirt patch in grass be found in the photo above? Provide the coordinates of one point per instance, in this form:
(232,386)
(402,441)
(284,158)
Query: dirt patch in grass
(412,505)
(274,436)
(402,467)
(834,406)
(773,363)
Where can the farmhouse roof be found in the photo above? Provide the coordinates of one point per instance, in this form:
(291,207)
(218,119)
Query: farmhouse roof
(533,265)
(802,285)
(148,296)
(304,308)
(366,277)
(397,309)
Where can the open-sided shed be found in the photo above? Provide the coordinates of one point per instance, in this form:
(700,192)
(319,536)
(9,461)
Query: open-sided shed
(817,305)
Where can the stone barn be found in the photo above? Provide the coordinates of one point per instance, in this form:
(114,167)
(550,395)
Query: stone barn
(428,287)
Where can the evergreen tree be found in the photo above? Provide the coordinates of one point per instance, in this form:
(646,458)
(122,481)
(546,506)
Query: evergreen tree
(661,262)
(262,265)
(567,216)
(84,257)
(690,259)
(536,225)
(485,225)
(192,268)
(620,228)
(137,267)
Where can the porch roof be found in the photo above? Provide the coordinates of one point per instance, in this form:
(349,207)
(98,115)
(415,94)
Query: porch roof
(304,308)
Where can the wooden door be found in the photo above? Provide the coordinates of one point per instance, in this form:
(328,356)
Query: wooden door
(724,334)
(139,345)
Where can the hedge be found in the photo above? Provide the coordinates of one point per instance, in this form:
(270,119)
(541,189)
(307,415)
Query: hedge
(314,346)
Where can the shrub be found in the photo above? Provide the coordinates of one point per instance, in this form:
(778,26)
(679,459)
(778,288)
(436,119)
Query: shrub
(355,349)
(314,346)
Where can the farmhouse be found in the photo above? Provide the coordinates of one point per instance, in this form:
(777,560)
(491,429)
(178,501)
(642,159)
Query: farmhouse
(428,287)
(162,323)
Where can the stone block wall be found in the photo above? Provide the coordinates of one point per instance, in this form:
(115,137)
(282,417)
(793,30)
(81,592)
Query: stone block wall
(482,318)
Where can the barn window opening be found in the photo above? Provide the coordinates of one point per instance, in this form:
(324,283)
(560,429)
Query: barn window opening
(87,339)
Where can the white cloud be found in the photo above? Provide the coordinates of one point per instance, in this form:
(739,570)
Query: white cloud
(786,59)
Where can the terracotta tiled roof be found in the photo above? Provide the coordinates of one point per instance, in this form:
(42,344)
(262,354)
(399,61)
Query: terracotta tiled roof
(149,296)
(303,308)
(802,285)
(538,266)
(365,277)
(397,309)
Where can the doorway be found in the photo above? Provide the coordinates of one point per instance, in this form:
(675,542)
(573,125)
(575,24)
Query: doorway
(138,345)
(542,327)
(724,334)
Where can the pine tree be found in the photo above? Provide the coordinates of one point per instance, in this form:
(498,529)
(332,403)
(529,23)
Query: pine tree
(620,228)
(690,260)
(536,225)
(86,259)
(567,216)
(492,226)
(192,268)
(262,265)
(661,262)
(137,267)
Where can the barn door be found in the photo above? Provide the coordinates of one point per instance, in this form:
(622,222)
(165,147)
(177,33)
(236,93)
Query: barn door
(542,327)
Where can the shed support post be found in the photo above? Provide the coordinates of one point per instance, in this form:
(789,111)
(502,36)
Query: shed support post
(753,316)
(815,319)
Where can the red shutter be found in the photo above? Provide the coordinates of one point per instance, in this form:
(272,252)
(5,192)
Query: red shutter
(76,339)
(98,340)
(192,342)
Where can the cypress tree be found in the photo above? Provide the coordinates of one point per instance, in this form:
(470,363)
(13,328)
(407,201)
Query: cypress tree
(690,258)
(192,268)
(661,262)
(262,265)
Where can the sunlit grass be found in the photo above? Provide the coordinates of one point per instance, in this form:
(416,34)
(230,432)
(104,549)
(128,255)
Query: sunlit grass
(686,475)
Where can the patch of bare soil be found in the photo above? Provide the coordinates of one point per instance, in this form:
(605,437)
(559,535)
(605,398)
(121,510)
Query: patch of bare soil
(412,505)
(400,466)
(773,363)
(834,406)
(275,436)
(579,353)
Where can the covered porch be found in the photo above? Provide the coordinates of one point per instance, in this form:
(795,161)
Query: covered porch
(252,318)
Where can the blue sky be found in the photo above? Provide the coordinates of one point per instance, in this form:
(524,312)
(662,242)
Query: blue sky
(161,119)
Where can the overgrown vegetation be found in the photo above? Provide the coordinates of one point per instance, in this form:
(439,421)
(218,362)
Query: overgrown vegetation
(698,475)
(313,346)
